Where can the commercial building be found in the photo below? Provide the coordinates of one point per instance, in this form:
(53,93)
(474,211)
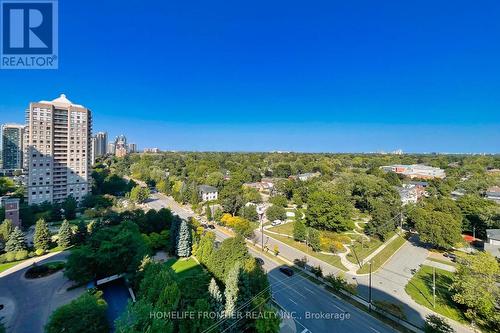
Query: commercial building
(12,147)
(207,193)
(415,171)
(58,150)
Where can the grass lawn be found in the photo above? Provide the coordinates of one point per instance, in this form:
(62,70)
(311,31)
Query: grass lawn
(420,289)
(73,222)
(330,259)
(7,265)
(383,255)
(286,228)
(192,279)
(362,249)
(446,262)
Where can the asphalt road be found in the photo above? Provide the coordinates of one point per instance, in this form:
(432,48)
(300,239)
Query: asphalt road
(28,303)
(312,308)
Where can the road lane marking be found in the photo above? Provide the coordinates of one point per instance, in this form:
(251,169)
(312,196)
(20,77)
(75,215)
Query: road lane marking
(309,290)
(373,329)
(291,300)
(305,330)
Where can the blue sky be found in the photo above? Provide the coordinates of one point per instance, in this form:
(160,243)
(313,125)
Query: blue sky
(347,76)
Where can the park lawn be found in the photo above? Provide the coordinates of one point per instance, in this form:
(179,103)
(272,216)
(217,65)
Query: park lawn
(361,250)
(286,228)
(7,265)
(383,255)
(364,249)
(420,289)
(333,260)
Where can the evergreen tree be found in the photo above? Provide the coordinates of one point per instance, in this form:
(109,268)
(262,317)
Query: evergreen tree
(215,296)
(174,234)
(184,240)
(6,229)
(42,235)
(209,213)
(16,242)
(299,230)
(69,205)
(231,292)
(81,233)
(65,235)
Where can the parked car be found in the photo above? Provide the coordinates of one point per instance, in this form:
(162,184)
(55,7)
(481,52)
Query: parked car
(259,261)
(286,270)
(276,222)
(210,226)
(452,256)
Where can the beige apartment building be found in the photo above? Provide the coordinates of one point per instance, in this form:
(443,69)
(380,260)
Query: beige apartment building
(57,150)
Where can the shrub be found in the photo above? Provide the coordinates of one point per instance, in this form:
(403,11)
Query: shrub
(20,255)
(392,308)
(436,324)
(301,262)
(39,252)
(10,256)
(317,271)
(339,282)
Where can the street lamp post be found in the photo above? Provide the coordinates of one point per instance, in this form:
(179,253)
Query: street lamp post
(370,289)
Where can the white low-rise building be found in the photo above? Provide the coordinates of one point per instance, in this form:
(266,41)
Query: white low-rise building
(207,192)
(492,244)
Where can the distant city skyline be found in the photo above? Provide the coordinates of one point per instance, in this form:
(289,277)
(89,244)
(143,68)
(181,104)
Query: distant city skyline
(322,77)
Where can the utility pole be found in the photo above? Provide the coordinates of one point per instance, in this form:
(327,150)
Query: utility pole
(260,211)
(474,232)
(370,289)
(433,287)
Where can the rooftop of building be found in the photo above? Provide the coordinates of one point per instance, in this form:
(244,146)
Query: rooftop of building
(207,188)
(62,101)
(494,189)
(493,234)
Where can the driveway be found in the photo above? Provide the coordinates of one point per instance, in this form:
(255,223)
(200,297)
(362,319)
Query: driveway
(29,303)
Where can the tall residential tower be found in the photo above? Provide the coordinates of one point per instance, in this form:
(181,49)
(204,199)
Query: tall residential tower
(58,150)
(12,147)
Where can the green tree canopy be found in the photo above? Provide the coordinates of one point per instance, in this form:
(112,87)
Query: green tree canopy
(475,286)
(86,314)
(326,210)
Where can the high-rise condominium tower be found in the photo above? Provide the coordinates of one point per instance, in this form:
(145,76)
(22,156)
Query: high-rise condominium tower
(12,147)
(101,143)
(58,150)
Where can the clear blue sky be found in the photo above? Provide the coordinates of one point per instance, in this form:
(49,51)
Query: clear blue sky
(278,75)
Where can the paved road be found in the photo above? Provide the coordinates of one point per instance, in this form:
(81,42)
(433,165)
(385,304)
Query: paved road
(301,298)
(28,303)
